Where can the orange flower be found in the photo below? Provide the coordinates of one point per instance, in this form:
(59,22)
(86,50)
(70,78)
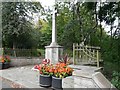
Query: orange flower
(61,70)
(62,64)
(3,61)
(46,69)
(55,71)
(51,70)
(68,69)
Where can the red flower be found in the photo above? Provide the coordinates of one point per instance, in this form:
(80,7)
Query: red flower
(1,57)
(37,67)
(45,68)
(46,61)
(41,72)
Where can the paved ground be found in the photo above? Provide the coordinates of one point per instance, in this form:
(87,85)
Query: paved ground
(20,77)
(25,77)
(4,84)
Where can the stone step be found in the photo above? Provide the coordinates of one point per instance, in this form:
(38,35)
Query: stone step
(86,68)
(81,73)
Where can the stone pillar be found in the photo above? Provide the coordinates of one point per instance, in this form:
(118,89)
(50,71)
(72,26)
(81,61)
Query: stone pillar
(54,33)
(53,51)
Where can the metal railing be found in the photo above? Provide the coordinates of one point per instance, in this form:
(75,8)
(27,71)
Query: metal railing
(85,54)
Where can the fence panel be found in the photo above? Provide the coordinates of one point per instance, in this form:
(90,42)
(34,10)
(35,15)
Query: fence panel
(85,54)
(21,52)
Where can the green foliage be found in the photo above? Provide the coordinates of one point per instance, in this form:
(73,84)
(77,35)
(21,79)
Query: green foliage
(25,52)
(110,54)
(41,51)
(74,24)
(108,12)
(16,23)
(116,79)
(69,52)
(45,32)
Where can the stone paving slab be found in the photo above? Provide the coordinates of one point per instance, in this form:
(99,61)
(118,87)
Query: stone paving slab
(81,73)
(86,68)
(84,71)
(4,84)
(79,82)
(9,83)
(24,76)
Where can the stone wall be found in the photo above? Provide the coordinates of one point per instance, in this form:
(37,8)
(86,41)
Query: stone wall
(22,61)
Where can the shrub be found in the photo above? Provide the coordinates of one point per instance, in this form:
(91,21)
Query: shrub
(116,79)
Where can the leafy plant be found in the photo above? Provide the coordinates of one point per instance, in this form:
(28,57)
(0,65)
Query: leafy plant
(116,79)
(65,59)
(61,70)
(4,59)
(45,68)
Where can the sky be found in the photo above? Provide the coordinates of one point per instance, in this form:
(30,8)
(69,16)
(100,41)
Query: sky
(47,2)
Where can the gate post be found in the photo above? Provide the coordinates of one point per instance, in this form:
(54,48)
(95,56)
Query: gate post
(74,53)
(97,58)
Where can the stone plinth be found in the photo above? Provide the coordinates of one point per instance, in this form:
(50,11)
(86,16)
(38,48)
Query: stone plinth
(53,52)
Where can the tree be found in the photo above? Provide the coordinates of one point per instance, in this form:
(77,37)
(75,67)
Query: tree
(16,21)
(78,23)
(110,14)
(45,31)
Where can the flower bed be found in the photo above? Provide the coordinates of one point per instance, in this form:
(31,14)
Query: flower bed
(53,73)
(4,62)
(61,70)
(45,78)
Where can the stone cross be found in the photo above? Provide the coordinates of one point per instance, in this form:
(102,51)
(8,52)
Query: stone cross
(53,51)
(54,34)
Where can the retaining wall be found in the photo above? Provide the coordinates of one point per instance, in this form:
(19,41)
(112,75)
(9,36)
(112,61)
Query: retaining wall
(23,61)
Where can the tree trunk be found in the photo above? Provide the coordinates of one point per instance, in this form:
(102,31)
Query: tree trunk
(14,46)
